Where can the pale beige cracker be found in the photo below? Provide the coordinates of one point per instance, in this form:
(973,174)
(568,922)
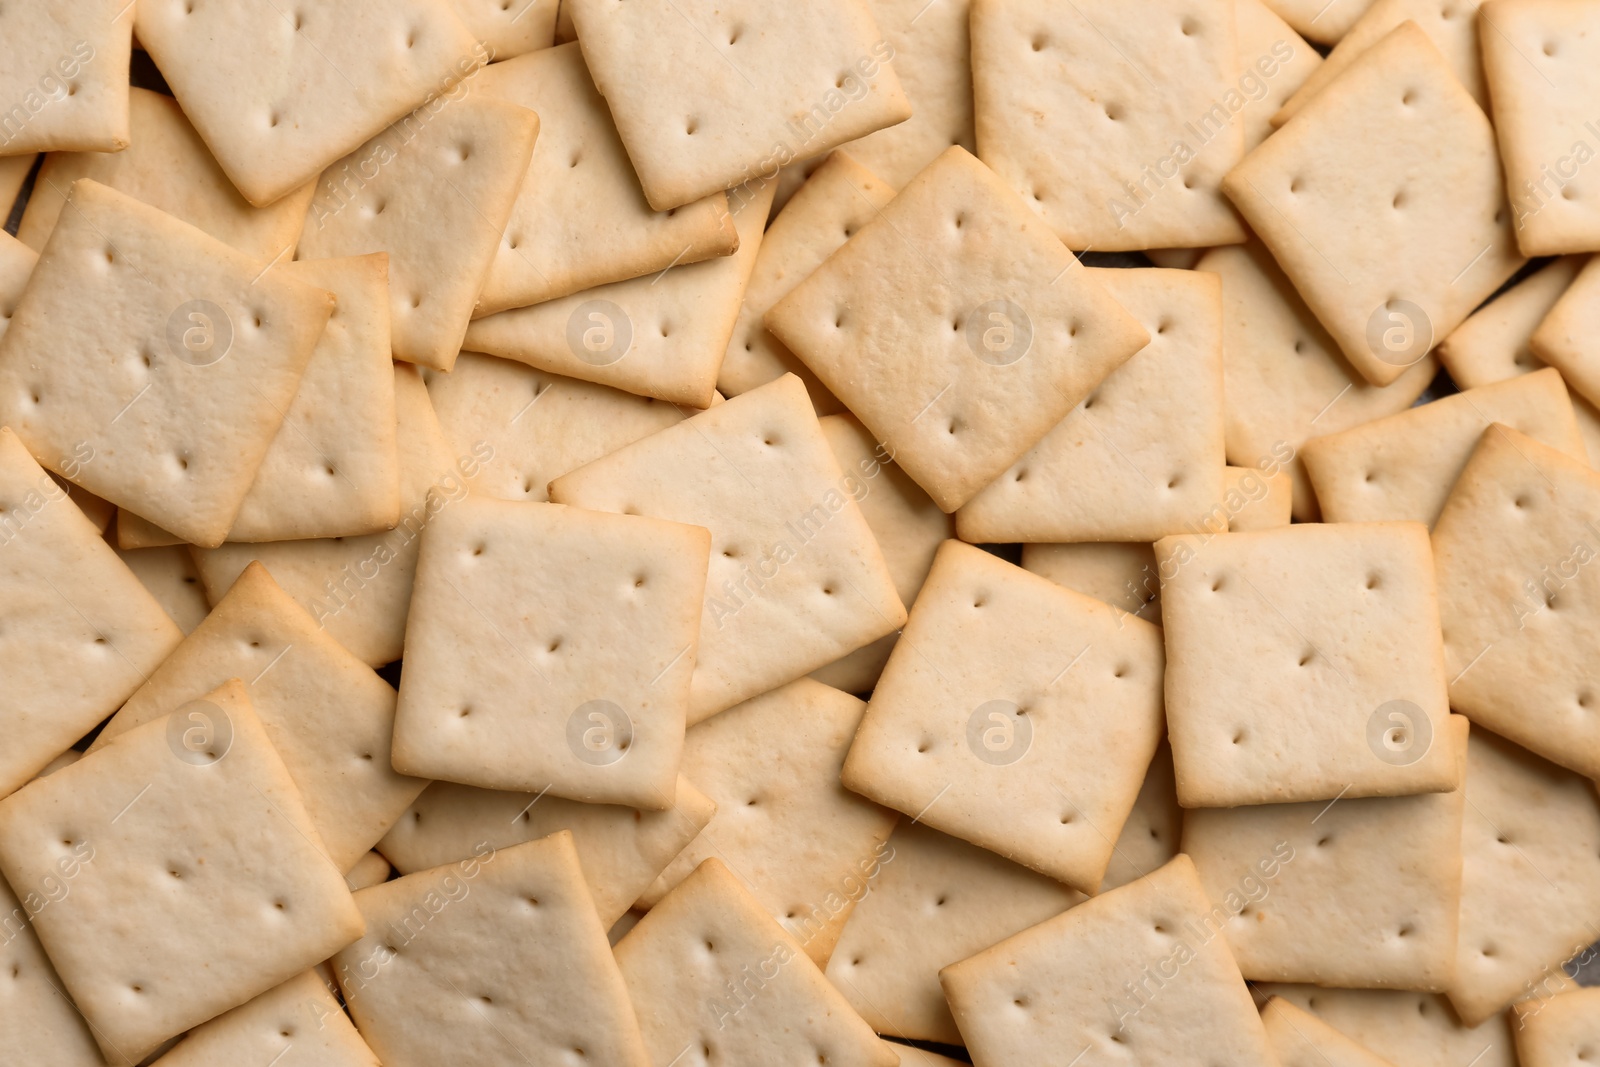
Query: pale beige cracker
(1496,341)
(17,261)
(1015,714)
(912,1056)
(328,715)
(509,28)
(96,509)
(198,804)
(132,532)
(66,759)
(1558,1031)
(1284,378)
(807,848)
(296,1024)
(171,577)
(1565,337)
(564,29)
(1530,877)
(14,171)
(580,219)
(1151,835)
(1255,500)
(1093,983)
(1290,650)
(435,191)
(280,93)
(1114,119)
(78,631)
(1402,467)
(955,328)
(1361,893)
(1276,62)
(40,1023)
(709,971)
(1394,143)
(168,166)
(1142,456)
(1319,20)
(663,335)
(1417,1029)
(621,849)
(65,83)
(370,870)
(796,577)
(1302,1040)
(708,96)
(551,648)
(169,407)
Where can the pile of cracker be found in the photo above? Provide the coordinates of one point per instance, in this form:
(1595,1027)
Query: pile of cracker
(661,533)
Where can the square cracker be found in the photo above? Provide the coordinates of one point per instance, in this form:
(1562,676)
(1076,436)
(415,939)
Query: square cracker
(168,166)
(1495,343)
(622,849)
(496,959)
(1519,598)
(1120,573)
(1362,893)
(14,171)
(663,336)
(551,648)
(78,632)
(1560,1030)
(540,425)
(1318,20)
(912,1056)
(435,191)
(1276,62)
(1015,714)
(65,80)
(1108,116)
(1150,836)
(1289,653)
(510,30)
(1396,143)
(955,328)
(280,94)
(370,870)
(171,577)
(1414,1029)
(710,971)
(1285,380)
(580,219)
(1302,1040)
(1565,338)
(1402,466)
(796,578)
(17,261)
(198,803)
(806,847)
(166,400)
(935,900)
(1256,500)
(296,676)
(1530,876)
(40,1023)
(1541,59)
(1075,985)
(709,95)
(1142,456)
(296,1024)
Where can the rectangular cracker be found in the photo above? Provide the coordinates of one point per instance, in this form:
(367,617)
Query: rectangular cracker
(1565,337)
(1558,1029)
(1318,20)
(1256,500)
(1496,341)
(1419,1029)
(1122,574)
(1150,837)
(40,1023)
(1276,62)
(370,870)
(169,574)
(110,400)
(509,30)
(957,356)
(17,261)
(707,96)
(1302,1040)
(297,1024)
(65,81)
(1291,652)
(14,171)
(1393,142)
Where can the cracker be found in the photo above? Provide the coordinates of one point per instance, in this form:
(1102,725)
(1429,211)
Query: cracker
(1565,337)
(908,526)
(169,574)
(1361,892)
(709,96)
(709,970)
(1417,1029)
(200,800)
(296,1024)
(41,1024)
(1302,1040)
(1402,466)
(796,578)
(580,219)
(16,266)
(1289,651)
(911,1056)
(66,78)
(14,171)
(1530,877)
(663,335)
(168,166)
(296,675)
(936,900)
(370,870)
(498,958)
(577,630)
(1319,20)
(279,95)
(803,845)
(1270,77)
(839,198)
(622,849)
(1255,500)
(957,355)
(1517,596)
(507,30)
(1285,378)
(110,400)
(132,532)
(1394,142)
(1015,714)
(1151,835)
(435,191)
(1113,119)
(1095,978)
(1142,456)
(1120,573)
(1558,1030)
(78,632)
(1495,343)
(1539,61)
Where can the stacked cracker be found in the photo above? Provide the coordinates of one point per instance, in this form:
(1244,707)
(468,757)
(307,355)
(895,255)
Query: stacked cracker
(652,533)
